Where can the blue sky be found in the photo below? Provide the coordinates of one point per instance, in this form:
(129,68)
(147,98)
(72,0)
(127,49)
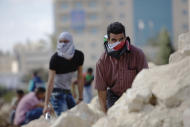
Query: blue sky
(24,19)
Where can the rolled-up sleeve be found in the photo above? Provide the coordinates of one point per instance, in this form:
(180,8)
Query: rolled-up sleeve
(100,81)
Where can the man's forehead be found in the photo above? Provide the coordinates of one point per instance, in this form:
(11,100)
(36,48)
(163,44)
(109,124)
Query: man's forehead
(117,36)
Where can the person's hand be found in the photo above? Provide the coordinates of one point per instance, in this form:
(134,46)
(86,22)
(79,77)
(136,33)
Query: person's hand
(46,109)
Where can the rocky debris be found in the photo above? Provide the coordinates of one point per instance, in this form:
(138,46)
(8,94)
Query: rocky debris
(169,83)
(5,109)
(41,122)
(158,98)
(151,65)
(184,41)
(95,106)
(186,116)
(183,48)
(4,115)
(136,100)
(81,115)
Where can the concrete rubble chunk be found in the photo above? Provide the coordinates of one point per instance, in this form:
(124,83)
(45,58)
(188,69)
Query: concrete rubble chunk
(183,48)
(136,98)
(95,106)
(184,42)
(170,84)
(151,64)
(80,116)
(186,116)
(41,122)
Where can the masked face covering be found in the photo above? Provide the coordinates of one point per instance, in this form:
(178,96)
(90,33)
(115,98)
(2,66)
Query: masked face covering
(65,50)
(117,49)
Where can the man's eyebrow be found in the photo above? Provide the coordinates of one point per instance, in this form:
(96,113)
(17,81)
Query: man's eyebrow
(121,38)
(113,39)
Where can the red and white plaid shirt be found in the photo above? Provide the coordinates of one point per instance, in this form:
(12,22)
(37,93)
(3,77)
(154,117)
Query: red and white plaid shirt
(118,75)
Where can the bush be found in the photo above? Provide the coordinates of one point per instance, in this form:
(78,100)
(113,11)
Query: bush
(166,47)
(7,94)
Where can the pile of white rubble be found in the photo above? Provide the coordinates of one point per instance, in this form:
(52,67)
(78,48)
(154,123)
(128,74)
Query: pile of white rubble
(82,115)
(159,97)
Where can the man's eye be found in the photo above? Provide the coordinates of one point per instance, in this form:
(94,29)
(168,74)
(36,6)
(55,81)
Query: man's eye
(121,39)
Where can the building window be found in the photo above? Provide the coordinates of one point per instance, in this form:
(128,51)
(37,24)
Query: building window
(93,44)
(65,18)
(184,1)
(121,3)
(92,4)
(93,30)
(185,12)
(92,16)
(93,57)
(64,5)
(64,29)
(122,16)
(141,25)
(108,3)
(185,27)
(78,20)
(79,45)
(108,16)
(78,30)
(78,5)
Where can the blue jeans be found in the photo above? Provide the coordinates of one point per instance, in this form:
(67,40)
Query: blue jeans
(111,98)
(32,115)
(12,116)
(62,101)
(87,93)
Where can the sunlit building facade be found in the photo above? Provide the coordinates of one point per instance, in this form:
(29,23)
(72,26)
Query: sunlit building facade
(87,20)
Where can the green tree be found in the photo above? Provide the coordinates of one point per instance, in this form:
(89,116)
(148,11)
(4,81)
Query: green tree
(165,47)
(153,41)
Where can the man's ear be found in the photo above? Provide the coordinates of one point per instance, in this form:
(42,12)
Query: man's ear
(128,38)
(108,40)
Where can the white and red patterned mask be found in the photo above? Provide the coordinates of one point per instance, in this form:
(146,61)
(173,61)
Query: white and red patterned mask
(118,48)
(117,45)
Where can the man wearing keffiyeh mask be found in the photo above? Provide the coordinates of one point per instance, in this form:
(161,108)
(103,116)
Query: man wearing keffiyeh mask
(62,66)
(65,46)
(118,66)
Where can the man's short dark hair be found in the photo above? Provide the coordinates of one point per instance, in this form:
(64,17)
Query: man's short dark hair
(40,90)
(35,73)
(90,70)
(20,92)
(115,28)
